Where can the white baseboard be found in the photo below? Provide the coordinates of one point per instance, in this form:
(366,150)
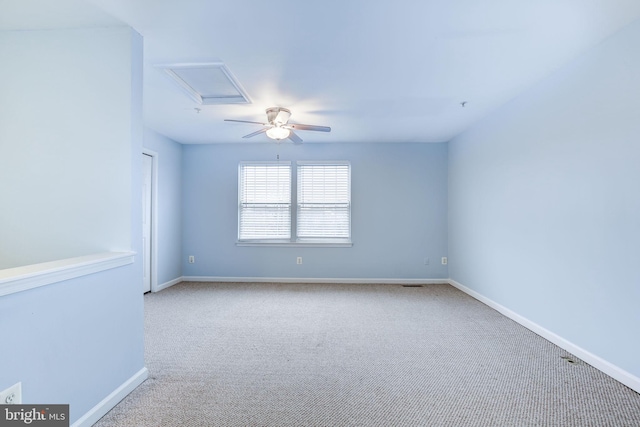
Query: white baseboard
(597,362)
(98,411)
(309,280)
(168,284)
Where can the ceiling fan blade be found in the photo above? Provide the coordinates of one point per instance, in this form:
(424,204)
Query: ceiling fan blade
(246,121)
(295,138)
(309,127)
(258,132)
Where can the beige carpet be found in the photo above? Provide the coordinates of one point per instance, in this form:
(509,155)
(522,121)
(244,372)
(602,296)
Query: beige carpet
(234,354)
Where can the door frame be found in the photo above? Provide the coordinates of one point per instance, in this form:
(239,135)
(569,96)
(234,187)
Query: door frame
(154,217)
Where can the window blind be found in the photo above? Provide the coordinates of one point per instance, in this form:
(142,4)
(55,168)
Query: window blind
(324,201)
(265,201)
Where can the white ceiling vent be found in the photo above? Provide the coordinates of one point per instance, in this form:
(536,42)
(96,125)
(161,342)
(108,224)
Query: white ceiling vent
(210,83)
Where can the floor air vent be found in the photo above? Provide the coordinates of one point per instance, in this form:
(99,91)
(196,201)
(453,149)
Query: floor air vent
(411,286)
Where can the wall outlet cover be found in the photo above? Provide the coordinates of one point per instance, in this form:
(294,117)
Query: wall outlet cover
(12,395)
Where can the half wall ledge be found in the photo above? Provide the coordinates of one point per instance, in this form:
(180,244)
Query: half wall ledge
(18,279)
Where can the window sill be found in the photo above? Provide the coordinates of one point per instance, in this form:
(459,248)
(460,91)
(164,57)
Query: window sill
(298,244)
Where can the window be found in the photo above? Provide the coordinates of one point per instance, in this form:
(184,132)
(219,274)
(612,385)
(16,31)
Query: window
(321,192)
(265,201)
(324,201)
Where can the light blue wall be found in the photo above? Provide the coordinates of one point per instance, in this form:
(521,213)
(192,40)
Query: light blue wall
(76,341)
(399,213)
(544,206)
(63,139)
(73,342)
(169,219)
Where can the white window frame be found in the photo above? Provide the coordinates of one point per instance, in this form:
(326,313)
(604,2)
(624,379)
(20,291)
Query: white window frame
(294,241)
(241,202)
(301,164)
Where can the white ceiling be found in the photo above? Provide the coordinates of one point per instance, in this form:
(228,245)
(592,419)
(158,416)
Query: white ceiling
(374,71)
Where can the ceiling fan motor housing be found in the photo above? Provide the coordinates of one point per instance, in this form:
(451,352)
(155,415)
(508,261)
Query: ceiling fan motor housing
(278,115)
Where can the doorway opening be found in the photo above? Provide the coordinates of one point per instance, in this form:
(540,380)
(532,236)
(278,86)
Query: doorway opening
(149,220)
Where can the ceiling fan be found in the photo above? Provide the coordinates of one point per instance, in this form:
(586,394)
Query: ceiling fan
(278,126)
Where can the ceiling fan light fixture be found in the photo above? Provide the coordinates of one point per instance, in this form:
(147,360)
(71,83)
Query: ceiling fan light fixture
(278,126)
(278,133)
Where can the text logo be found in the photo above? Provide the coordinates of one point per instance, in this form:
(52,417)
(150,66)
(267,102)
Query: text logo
(34,415)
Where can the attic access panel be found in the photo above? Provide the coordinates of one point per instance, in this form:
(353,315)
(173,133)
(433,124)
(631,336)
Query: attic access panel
(207,84)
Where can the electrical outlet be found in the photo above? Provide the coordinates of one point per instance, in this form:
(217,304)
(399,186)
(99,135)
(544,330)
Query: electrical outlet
(12,395)
(192,259)
(444,260)
(426,261)
(299,260)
